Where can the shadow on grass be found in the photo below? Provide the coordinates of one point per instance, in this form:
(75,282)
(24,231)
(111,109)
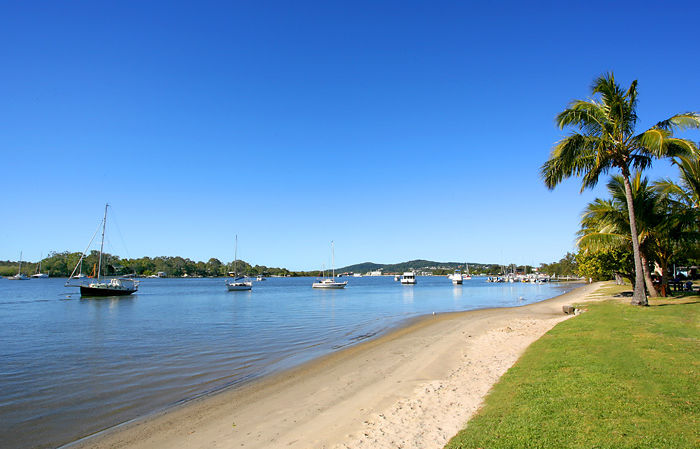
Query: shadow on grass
(624,295)
(674,304)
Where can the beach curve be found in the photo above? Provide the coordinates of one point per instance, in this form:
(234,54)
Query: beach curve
(414,387)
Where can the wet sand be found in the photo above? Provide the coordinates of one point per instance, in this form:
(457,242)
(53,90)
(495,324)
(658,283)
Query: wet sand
(415,387)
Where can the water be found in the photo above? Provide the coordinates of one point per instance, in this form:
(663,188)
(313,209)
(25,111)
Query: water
(70,367)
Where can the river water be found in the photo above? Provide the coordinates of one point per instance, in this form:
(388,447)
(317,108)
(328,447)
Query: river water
(70,367)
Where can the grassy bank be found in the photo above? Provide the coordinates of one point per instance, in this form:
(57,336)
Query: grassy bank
(617,376)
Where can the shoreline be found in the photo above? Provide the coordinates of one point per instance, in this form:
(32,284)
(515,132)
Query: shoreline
(330,400)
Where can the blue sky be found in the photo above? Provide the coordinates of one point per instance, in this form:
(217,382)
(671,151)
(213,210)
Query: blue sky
(400,130)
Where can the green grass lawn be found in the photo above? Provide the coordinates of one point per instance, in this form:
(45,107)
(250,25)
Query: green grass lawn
(617,376)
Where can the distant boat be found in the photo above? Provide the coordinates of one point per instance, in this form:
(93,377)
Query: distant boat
(260,278)
(39,274)
(239,283)
(19,276)
(456,278)
(330,282)
(101,286)
(466,275)
(408,278)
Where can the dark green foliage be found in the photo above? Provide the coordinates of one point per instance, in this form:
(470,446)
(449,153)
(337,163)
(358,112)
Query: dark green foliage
(603,264)
(567,266)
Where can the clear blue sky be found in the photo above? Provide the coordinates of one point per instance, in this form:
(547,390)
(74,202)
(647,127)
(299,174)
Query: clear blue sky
(400,130)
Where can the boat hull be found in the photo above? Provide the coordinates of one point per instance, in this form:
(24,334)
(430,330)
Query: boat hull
(239,287)
(100,291)
(335,286)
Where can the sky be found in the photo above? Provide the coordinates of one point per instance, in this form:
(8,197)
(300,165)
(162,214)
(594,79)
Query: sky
(399,130)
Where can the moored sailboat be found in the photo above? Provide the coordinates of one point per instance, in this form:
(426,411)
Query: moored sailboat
(101,286)
(239,283)
(19,276)
(39,274)
(330,282)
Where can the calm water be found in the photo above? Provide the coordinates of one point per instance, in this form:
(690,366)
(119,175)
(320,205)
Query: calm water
(71,366)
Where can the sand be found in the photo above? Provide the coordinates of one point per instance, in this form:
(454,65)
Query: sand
(413,388)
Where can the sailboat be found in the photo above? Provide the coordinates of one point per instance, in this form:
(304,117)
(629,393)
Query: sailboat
(100,286)
(330,282)
(39,274)
(19,276)
(80,274)
(466,275)
(239,283)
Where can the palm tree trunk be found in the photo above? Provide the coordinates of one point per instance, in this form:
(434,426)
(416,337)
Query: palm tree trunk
(664,278)
(639,298)
(647,278)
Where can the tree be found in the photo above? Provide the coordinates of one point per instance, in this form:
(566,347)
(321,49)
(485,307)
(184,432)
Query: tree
(682,200)
(605,223)
(605,139)
(687,191)
(604,264)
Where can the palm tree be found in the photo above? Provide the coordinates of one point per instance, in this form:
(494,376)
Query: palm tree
(687,191)
(683,198)
(605,139)
(605,223)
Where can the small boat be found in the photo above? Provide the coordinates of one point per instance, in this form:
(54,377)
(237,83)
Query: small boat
(456,278)
(466,276)
(330,282)
(115,287)
(100,287)
(259,278)
(408,278)
(397,278)
(19,276)
(239,283)
(39,274)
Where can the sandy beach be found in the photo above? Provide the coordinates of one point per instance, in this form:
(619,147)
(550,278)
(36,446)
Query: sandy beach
(413,388)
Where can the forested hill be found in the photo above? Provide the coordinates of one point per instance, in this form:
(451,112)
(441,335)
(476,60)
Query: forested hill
(419,264)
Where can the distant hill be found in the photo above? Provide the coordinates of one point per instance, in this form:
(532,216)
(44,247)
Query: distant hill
(419,264)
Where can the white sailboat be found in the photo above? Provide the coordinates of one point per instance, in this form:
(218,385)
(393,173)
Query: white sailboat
(466,276)
(39,274)
(101,286)
(19,276)
(239,283)
(330,282)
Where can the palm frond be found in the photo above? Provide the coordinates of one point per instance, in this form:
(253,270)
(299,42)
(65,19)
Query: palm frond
(588,116)
(687,120)
(572,156)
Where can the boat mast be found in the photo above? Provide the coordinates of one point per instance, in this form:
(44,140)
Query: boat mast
(333,258)
(20,263)
(102,244)
(235,259)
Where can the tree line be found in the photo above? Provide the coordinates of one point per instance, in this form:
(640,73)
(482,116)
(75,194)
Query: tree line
(62,264)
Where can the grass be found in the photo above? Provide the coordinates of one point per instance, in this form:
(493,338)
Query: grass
(618,376)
